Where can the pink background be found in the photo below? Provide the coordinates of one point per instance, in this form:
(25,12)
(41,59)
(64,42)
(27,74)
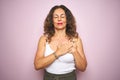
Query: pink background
(21,24)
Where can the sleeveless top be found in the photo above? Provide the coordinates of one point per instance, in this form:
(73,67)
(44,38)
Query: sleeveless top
(64,64)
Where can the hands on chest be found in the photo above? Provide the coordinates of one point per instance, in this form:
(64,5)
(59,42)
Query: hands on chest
(64,46)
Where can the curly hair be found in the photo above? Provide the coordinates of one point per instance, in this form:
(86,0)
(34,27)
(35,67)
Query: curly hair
(70,26)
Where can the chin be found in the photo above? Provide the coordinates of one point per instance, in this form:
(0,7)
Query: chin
(60,28)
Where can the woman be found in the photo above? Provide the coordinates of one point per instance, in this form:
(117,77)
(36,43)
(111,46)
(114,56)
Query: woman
(60,51)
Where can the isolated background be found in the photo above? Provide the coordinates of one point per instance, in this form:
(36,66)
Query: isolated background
(21,25)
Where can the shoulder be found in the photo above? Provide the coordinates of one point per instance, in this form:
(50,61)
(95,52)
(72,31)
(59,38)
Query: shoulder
(43,39)
(77,40)
(79,44)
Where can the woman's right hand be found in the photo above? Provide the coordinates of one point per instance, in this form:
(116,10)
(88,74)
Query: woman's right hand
(64,48)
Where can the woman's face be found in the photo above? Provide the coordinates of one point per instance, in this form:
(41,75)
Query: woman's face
(59,19)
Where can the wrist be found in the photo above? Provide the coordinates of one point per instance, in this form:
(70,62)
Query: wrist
(58,53)
(55,55)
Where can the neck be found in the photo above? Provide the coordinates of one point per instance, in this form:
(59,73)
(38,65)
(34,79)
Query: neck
(60,33)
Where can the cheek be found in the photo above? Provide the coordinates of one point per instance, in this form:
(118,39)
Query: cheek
(64,21)
(54,21)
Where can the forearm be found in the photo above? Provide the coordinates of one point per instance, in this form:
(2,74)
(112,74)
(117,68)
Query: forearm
(80,61)
(45,61)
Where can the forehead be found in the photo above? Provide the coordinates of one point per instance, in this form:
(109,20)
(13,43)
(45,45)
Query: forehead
(59,11)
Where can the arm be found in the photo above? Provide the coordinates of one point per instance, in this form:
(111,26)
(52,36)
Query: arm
(80,59)
(40,60)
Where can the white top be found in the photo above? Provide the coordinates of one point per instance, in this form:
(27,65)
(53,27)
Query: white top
(64,64)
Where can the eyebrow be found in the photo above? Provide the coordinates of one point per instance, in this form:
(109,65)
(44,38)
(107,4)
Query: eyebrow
(57,14)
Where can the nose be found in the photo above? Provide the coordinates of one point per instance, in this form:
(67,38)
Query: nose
(59,18)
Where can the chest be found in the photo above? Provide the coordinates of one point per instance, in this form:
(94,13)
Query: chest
(55,43)
(67,58)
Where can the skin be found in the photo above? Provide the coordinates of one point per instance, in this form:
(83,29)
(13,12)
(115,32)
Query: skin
(60,44)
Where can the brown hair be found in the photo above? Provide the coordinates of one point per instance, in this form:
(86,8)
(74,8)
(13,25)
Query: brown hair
(70,26)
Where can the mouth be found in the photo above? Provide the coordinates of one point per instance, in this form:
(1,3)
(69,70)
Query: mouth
(59,23)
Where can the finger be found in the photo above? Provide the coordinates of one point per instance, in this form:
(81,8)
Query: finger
(70,47)
(71,51)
